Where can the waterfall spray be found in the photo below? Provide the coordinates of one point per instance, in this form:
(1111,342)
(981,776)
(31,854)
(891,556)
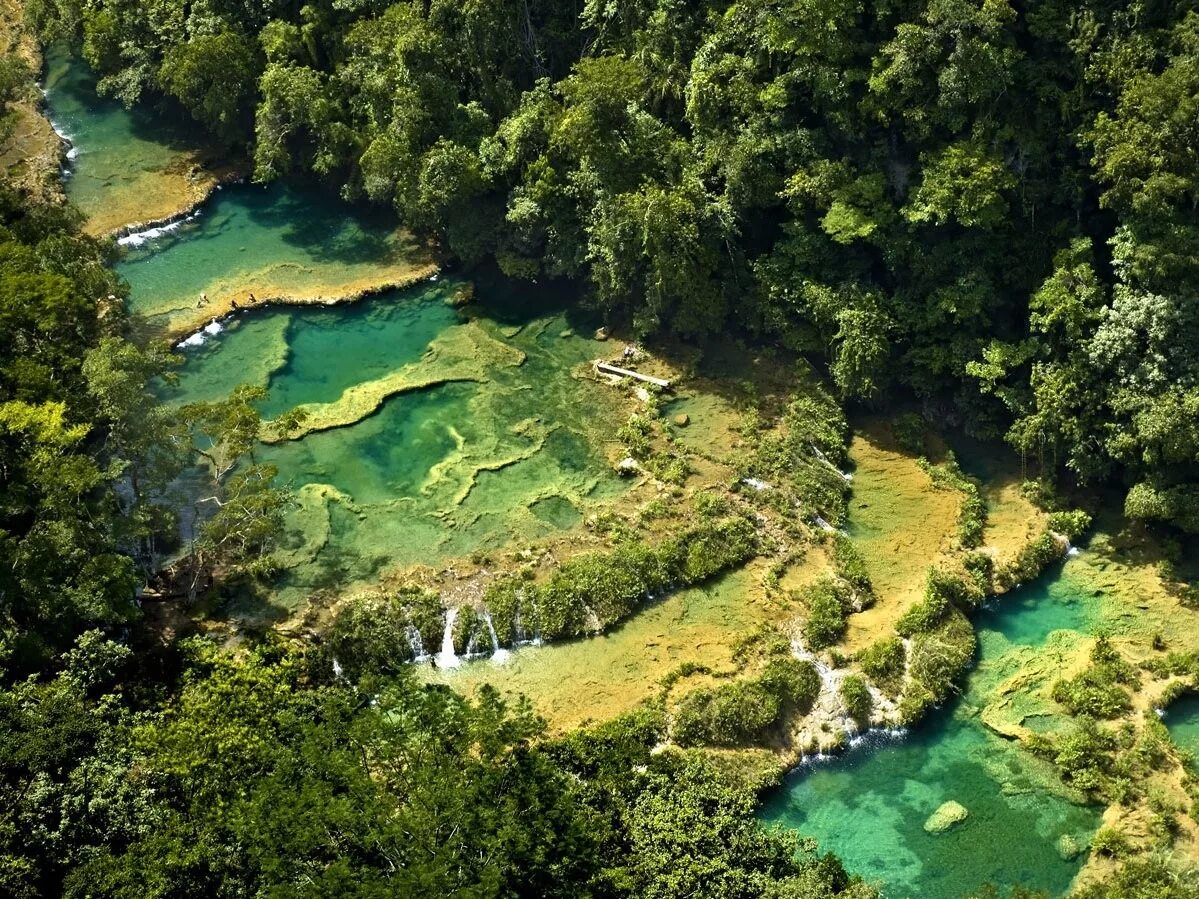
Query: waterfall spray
(446,657)
(498,653)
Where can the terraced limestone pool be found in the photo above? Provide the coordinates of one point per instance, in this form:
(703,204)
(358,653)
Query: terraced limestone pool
(591,680)
(870,805)
(252,244)
(1182,718)
(487,438)
(433,433)
(126,166)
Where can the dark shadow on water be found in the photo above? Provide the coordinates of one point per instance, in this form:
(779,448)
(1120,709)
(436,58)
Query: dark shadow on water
(155,119)
(321,224)
(511,302)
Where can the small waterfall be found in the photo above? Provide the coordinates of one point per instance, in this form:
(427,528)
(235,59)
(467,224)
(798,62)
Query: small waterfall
(520,636)
(823,525)
(337,669)
(518,629)
(498,653)
(417,644)
(756,483)
(153,232)
(446,657)
(823,458)
(211,329)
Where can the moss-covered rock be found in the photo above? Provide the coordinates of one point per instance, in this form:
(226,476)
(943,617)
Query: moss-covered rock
(949,815)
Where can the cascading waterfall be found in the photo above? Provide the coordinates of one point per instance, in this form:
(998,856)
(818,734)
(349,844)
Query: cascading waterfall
(211,329)
(153,232)
(520,637)
(498,653)
(518,628)
(417,644)
(823,458)
(829,697)
(446,657)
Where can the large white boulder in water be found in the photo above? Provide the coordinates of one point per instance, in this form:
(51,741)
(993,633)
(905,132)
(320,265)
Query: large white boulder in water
(946,817)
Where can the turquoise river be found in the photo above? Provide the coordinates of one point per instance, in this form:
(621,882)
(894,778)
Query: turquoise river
(486,432)
(870,804)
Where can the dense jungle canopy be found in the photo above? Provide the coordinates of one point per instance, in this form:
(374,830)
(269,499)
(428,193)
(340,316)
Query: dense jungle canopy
(990,207)
(993,205)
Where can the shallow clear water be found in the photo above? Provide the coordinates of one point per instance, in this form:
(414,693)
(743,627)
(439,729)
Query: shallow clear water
(434,473)
(869,805)
(286,349)
(597,678)
(443,472)
(266,242)
(502,451)
(126,165)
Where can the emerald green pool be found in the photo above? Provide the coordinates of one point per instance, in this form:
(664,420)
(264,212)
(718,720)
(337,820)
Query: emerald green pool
(1182,718)
(435,473)
(870,804)
(123,162)
(477,461)
(287,349)
(278,241)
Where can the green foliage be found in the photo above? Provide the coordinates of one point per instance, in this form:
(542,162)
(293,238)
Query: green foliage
(924,615)
(257,774)
(972,518)
(884,662)
(825,602)
(711,548)
(1099,690)
(1032,559)
(745,711)
(65,530)
(789,458)
(909,430)
(213,75)
(252,776)
(937,658)
(901,192)
(595,590)
(1138,876)
(369,635)
(1071,525)
(851,566)
(965,183)
(856,696)
(1085,756)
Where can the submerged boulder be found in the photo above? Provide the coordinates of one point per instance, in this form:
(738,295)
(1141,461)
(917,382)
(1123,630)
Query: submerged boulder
(949,815)
(1069,847)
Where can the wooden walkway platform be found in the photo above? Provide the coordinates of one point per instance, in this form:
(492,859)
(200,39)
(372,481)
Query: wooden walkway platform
(608,368)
